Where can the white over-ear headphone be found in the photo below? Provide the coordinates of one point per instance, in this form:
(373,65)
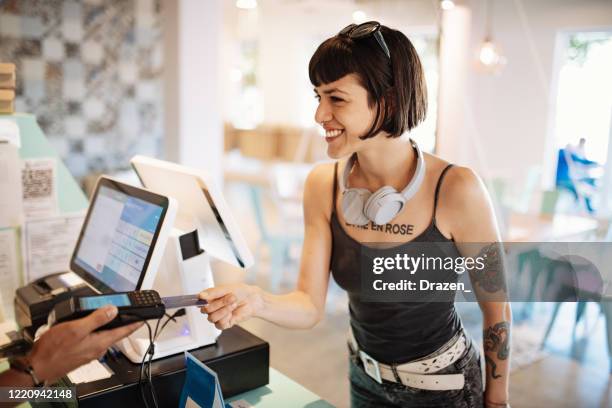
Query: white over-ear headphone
(359,205)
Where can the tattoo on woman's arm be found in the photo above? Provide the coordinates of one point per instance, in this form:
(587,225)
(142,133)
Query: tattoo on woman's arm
(491,277)
(496,340)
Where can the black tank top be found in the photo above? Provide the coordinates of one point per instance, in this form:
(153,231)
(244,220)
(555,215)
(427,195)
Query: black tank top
(395,332)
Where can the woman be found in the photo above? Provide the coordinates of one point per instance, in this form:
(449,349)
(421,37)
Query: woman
(371,91)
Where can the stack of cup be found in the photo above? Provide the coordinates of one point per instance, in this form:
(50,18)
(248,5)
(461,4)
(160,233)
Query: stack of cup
(7,88)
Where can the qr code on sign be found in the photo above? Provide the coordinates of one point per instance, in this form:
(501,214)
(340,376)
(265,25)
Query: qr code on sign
(37,181)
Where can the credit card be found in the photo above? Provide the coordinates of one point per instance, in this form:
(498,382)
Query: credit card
(173,302)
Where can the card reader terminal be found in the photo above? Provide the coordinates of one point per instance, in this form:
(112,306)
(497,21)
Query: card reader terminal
(132,306)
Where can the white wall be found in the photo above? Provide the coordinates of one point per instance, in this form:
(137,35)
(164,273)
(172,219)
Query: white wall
(512,111)
(192,92)
(288,34)
(505,124)
(452,130)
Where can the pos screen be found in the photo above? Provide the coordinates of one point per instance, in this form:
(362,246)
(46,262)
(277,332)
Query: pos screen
(95,302)
(118,236)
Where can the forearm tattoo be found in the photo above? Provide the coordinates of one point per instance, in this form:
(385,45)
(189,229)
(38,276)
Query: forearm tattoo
(490,278)
(496,339)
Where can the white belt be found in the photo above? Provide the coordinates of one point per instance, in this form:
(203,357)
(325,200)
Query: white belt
(418,373)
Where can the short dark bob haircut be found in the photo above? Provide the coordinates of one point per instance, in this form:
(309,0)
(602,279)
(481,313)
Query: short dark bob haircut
(397,87)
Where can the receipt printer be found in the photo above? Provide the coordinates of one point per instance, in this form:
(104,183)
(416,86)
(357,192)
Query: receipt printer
(34,301)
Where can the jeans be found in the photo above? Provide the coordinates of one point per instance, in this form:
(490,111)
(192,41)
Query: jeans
(367,393)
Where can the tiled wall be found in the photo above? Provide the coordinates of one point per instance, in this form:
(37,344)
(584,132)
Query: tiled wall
(91,72)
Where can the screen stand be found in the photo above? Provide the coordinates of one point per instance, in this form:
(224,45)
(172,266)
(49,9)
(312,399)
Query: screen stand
(184,270)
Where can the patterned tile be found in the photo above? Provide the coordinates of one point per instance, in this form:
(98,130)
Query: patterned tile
(74,89)
(128,73)
(145,14)
(72,22)
(20,104)
(75,127)
(60,145)
(32,69)
(34,90)
(146,91)
(95,146)
(97,164)
(91,72)
(74,108)
(53,49)
(130,120)
(32,27)
(94,2)
(77,163)
(92,52)
(29,48)
(76,146)
(10,25)
(73,50)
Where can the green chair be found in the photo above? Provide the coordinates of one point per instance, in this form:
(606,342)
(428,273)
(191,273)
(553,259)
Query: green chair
(532,259)
(606,308)
(563,280)
(498,188)
(529,187)
(279,242)
(550,198)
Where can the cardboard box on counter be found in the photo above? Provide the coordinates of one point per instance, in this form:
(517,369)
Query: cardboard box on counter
(292,145)
(7,99)
(7,75)
(261,143)
(230,137)
(302,145)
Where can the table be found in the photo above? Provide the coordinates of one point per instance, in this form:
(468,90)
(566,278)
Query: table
(566,228)
(538,228)
(281,392)
(285,179)
(239,358)
(560,381)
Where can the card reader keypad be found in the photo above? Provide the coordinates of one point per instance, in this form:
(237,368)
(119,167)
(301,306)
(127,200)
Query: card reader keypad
(146,297)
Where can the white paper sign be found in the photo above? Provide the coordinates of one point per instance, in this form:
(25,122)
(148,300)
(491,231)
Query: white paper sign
(89,372)
(9,132)
(5,328)
(11,207)
(40,188)
(49,243)
(9,270)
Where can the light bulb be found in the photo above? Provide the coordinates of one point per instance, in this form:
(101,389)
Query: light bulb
(359,16)
(447,4)
(236,75)
(488,55)
(246,4)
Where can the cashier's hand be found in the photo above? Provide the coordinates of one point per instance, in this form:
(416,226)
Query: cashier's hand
(231,304)
(69,345)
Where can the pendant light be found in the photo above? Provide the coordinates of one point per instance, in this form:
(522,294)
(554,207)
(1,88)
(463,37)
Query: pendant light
(490,57)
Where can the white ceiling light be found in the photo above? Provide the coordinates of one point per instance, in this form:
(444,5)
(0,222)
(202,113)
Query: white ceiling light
(246,4)
(490,55)
(236,75)
(447,4)
(359,16)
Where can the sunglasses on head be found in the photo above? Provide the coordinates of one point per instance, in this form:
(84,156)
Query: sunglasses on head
(358,31)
